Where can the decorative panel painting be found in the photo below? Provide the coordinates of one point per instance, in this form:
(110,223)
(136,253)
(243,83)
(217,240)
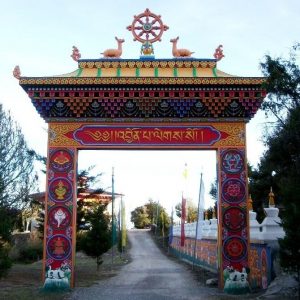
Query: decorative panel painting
(233,217)
(60,219)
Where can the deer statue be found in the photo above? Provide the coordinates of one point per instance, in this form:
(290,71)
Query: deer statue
(114,53)
(179,52)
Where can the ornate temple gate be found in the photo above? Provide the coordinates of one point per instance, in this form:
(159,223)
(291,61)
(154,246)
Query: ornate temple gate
(147,103)
(144,104)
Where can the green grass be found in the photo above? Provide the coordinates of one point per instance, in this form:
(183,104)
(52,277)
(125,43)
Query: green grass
(24,281)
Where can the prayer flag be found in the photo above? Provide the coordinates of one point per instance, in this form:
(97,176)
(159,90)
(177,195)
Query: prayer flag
(198,235)
(183,217)
(201,206)
(185,171)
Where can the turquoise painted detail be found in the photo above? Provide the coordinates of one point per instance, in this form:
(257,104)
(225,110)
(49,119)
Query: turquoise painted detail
(175,72)
(118,72)
(156,72)
(137,72)
(191,259)
(79,71)
(99,72)
(58,279)
(194,72)
(236,283)
(214,70)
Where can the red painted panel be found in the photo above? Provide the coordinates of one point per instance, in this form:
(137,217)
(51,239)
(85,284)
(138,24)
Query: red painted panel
(97,135)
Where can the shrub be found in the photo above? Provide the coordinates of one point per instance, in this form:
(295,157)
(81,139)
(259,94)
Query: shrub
(5,261)
(31,252)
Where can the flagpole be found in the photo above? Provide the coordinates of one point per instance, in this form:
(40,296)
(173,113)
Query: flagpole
(119,228)
(197,223)
(183,206)
(112,214)
(171,230)
(183,218)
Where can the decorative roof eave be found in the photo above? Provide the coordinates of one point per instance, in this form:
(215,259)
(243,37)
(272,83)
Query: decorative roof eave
(148,63)
(27,82)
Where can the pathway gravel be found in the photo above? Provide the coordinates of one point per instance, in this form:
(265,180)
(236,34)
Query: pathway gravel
(150,275)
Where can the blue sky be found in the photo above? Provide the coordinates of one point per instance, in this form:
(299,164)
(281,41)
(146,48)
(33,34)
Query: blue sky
(39,35)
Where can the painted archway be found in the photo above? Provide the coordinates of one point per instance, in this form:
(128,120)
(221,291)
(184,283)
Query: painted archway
(144,103)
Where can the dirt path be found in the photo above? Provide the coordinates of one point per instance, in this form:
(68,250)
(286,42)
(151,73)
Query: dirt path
(150,275)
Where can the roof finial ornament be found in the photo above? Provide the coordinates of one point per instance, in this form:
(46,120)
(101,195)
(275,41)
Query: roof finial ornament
(114,53)
(218,55)
(214,213)
(206,215)
(75,53)
(250,203)
(271,198)
(147,28)
(179,52)
(17,72)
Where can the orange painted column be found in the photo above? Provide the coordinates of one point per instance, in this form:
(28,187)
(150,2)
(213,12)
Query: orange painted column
(60,218)
(233,235)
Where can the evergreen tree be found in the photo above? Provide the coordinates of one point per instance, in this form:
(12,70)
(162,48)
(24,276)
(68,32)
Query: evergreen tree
(214,190)
(84,183)
(282,159)
(97,240)
(84,192)
(7,219)
(17,176)
(17,181)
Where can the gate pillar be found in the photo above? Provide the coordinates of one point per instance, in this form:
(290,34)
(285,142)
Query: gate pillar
(60,218)
(233,230)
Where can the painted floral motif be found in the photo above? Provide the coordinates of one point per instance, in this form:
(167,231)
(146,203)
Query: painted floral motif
(235,248)
(233,191)
(234,218)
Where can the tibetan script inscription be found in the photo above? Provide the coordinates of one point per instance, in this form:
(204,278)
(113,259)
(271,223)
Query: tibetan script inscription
(96,135)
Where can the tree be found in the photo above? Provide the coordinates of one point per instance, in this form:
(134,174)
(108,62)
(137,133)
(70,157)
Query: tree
(163,222)
(213,210)
(17,176)
(192,211)
(84,183)
(140,217)
(282,85)
(17,180)
(152,210)
(84,192)
(282,158)
(8,217)
(97,240)
(214,190)
(151,213)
